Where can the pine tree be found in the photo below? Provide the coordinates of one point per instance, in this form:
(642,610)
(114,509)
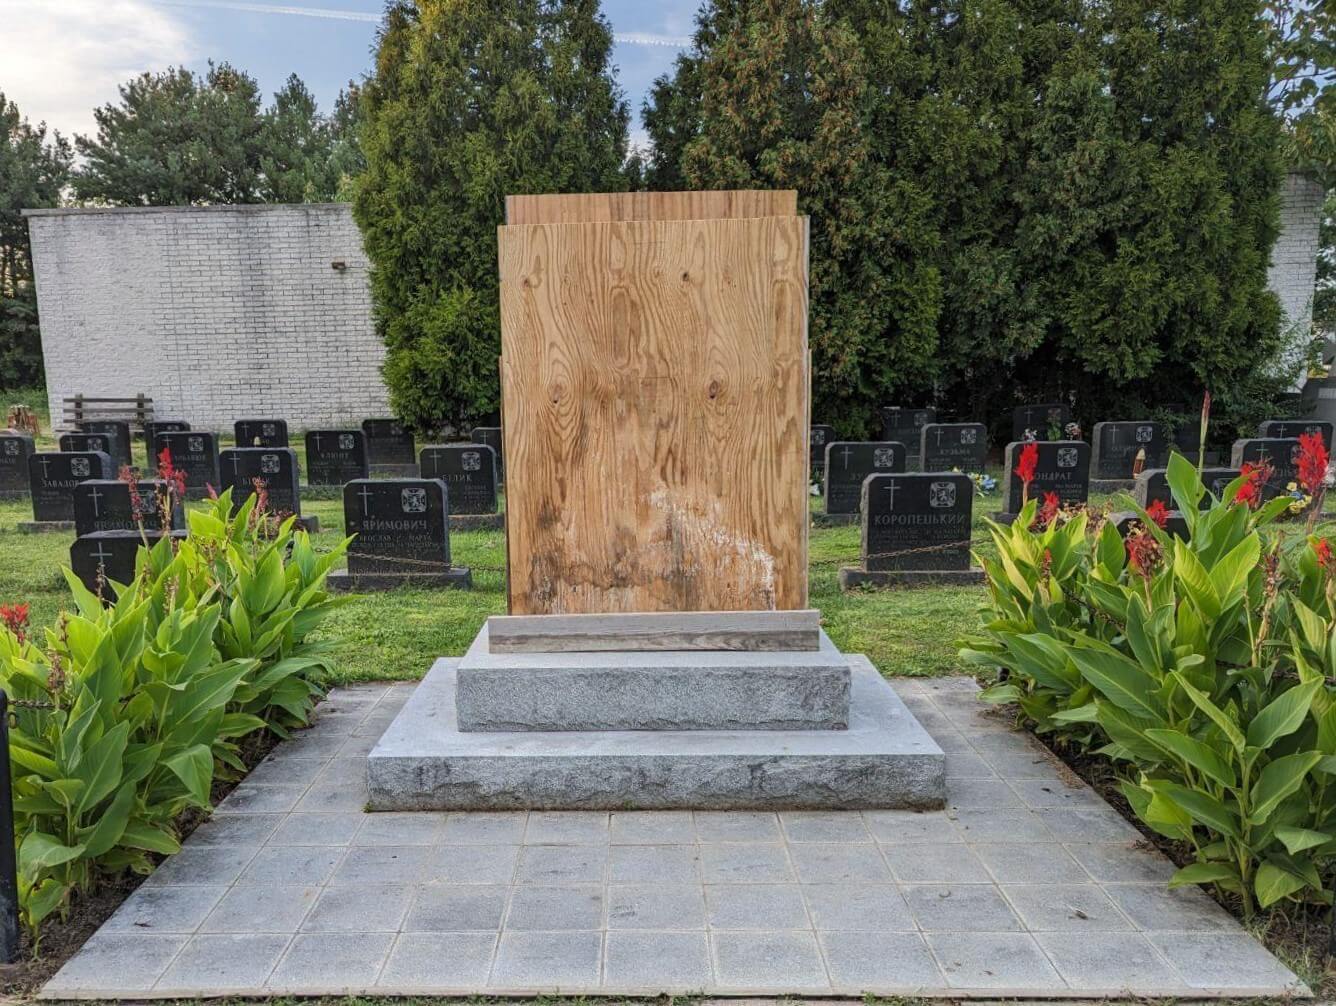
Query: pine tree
(296,160)
(470,101)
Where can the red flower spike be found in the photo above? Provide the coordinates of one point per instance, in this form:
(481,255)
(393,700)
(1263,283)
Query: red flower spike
(1321,548)
(1312,462)
(1143,552)
(14,617)
(1255,476)
(1048,511)
(1028,462)
(1159,513)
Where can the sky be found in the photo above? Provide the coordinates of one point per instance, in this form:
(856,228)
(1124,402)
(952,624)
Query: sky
(61,58)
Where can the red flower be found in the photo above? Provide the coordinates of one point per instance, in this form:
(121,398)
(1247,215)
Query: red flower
(1255,476)
(1143,552)
(168,472)
(127,475)
(1158,512)
(1048,512)
(1321,548)
(1312,462)
(1029,460)
(14,617)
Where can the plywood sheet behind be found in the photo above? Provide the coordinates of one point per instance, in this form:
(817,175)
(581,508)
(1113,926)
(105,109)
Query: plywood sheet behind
(655,389)
(594,206)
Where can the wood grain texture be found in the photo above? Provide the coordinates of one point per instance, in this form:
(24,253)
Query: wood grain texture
(750,631)
(655,392)
(600,206)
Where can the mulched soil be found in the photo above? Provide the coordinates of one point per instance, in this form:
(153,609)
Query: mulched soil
(62,938)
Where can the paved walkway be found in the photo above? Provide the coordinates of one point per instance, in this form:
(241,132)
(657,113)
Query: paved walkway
(1029,885)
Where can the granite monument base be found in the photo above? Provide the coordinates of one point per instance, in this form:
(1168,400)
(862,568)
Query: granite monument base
(834,519)
(856,578)
(477,522)
(1112,485)
(43,526)
(341,581)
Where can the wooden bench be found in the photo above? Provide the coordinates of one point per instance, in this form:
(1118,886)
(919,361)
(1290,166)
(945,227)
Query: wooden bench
(80,409)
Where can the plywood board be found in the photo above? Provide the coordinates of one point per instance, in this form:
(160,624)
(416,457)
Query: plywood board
(655,391)
(754,631)
(596,206)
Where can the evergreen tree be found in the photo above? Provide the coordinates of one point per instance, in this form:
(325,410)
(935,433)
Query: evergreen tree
(296,160)
(33,171)
(471,100)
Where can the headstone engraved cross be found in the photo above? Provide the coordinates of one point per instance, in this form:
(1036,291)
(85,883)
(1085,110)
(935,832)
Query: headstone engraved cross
(847,464)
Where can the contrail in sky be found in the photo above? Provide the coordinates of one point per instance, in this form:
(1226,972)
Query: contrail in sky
(332,14)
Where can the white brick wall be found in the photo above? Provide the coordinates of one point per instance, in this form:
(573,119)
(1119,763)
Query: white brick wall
(218,313)
(1293,272)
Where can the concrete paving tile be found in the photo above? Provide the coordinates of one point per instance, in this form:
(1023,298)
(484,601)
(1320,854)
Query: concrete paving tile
(960,908)
(120,962)
(555,908)
(979,794)
(567,827)
(439,909)
(653,827)
(315,743)
(911,827)
(236,830)
(332,963)
(215,963)
(879,962)
(1184,909)
(1010,961)
(345,770)
(330,798)
(359,908)
(1225,961)
(1041,793)
(1088,824)
(784,961)
(562,864)
(470,864)
(204,864)
(982,825)
(967,765)
(160,909)
(383,864)
(654,962)
(485,828)
(951,740)
(755,906)
(991,740)
(416,828)
(935,864)
(736,826)
(1026,765)
(1122,863)
(317,829)
(249,798)
(261,909)
(654,864)
(291,771)
(1114,962)
(438,962)
(636,906)
(745,863)
(546,961)
(858,906)
(1065,908)
(1031,864)
(824,826)
(839,864)
(291,864)
(360,744)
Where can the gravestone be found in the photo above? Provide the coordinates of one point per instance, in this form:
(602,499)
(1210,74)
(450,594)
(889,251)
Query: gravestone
(52,477)
(1153,484)
(110,556)
(109,505)
(81,442)
(1063,468)
(1041,418)
(818,437)
(492,437)
(1286,428)
(944,446)
(15,449)
(154,427)
(261,432)
(916,529)
(1115,447)
(276,467)
(403,536)
(847,464)
(390,447)
(118,445)
(194,453)
(334,457)
(1280,453)
(904,425)
(469,474)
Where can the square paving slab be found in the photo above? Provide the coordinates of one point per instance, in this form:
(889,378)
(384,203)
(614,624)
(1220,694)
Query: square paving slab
(1027,885)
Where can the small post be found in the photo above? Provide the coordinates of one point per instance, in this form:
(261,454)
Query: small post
(9,880)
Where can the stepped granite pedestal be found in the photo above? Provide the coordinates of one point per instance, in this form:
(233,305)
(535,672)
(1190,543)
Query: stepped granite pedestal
(637,729)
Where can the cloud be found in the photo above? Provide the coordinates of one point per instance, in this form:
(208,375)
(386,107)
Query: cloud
(62,58)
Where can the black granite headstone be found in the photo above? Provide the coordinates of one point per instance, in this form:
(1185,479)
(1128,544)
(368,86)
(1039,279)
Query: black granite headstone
(109,556)
(78,442)
(196,454)
(388,443)
(1128,521)
(118,443)
(944,446)
(334,457)
(15,449)
(1285,428)
(53,475)
(151,430)
(848,463)
(1153,484)
(402,526)
(818,437)
(261,432)
(110,505)
(904,425)
(469,474)
(1115,446)
(1281,454)
(491,436)
(1063,467)
(276,467)
(919,521)
(1043,419)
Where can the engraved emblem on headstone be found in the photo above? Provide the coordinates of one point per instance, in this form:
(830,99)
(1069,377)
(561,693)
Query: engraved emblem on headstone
(269,464)
(96,444)
(12,447)
(942,494)
(969,435)
(883,457)
(1145,434)
(195,445)
(414,500)
(268,430)
(818,437)
(80,468)
(1067,457)
(345,441)
(470,461)
(1218,486)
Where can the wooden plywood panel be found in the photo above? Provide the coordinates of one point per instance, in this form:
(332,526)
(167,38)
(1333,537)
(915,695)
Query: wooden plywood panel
(655,391)
(596,206)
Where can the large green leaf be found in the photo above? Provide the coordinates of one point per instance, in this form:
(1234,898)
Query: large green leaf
(1296,840)
(1216,715)
(1205,809)
(1279,780)
(39,851)
(142,835)
(101,768)
(1283,715)
(1273,884)
(1118,679)
(1206,873)
(194,767)
(1199,755)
